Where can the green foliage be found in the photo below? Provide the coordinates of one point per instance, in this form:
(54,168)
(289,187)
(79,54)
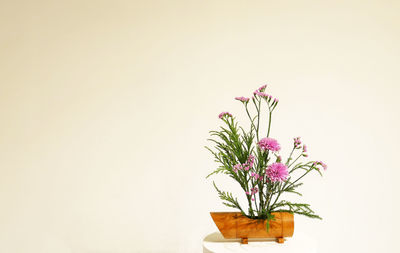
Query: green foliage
(228,199)
(269,217)
(298,208)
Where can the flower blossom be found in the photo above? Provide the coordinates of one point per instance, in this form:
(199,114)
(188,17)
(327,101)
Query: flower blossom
(242,99)
(277,172)
(305,151)
(255,175)
(324,166)
(254,190)
(269,144)
(260,91)
(250,160)
(262,88)
(261,94)
(297,142)
(237,167)
(245,166)
(222,114)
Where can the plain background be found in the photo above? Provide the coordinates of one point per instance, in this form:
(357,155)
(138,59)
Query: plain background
(105,107)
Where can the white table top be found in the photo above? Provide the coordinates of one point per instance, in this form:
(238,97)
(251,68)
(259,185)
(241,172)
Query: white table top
(299,243)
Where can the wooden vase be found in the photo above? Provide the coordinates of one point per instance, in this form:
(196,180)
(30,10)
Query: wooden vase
(235,225)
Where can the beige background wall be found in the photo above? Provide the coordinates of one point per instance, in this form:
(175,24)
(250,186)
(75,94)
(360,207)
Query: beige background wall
(105,107)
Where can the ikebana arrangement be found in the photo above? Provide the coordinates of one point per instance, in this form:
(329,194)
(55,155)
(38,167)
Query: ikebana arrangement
(252,159)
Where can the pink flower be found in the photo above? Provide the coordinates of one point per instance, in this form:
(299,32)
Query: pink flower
(250,160)
(247,192)
(259,90)
(237,167)
(324,166)
(254,190)
(297,142)
(269,144)
(304,148)
(261,94)
(255,175)
(222,114)
(277,172)
(245,166)
(262,88)
(243,99)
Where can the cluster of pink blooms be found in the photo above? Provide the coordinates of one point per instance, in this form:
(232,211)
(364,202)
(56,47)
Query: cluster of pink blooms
(246,166)
(255,176)
(297,142)
(254,191)
(260,92)
(262,88)
(320,163)
(269,144)
(243,99)
(305,151)
(277,172)
(297,145)
(222,114)
(237,167)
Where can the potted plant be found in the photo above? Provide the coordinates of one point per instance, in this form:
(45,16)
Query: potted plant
(252,159)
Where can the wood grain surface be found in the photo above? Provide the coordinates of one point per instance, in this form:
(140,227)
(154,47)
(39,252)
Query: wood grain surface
(235,225)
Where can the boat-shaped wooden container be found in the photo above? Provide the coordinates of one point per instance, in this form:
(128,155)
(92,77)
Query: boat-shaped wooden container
(235,225)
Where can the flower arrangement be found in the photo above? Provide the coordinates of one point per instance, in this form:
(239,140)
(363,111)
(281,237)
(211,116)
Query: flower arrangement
(254,162)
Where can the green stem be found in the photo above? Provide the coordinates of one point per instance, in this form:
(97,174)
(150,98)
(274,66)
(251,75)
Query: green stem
(258,117)
(279,193)
(269,121)
(260,195)
(290,156)
(269,196)
(295,160)
(311,168)
(248,114)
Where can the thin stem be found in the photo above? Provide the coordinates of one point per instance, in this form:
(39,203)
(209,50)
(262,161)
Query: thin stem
(295,160)
(248,114)
(279,193)
(260,195)
(271,192)
(269,119)
(290,156)
(254,195)
(258,117)
(311,168)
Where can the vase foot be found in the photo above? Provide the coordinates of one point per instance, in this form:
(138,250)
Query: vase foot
(244,241)
(280,240)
